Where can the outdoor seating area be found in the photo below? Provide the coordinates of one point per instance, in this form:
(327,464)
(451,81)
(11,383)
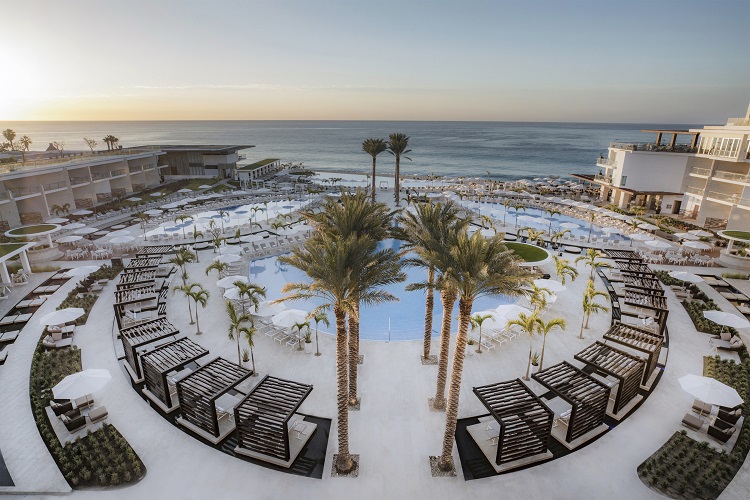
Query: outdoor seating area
(142,336)
(166,364)
(713,422)
(639,342)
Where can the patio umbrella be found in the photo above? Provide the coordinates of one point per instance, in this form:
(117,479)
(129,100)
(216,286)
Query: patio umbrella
(488,232)
(57,220)
(86,230)
(710,391)
(82,212)
(156,194)
(61,316)
(152,212)
(640,237)
(611,230)
(81,384)
(507,312)
(229,281)
(289,317)
(119,240)
(700,233)
(69,239)
(204,186)
(570,225)
(228,258)
(726,319)
(658,244)
(698,245)
(551,285)
(81,271)
(268,308)
(687,236)
(232,293)
(648,227)
(75,225)
(134,198)
(685,276)
(184,190)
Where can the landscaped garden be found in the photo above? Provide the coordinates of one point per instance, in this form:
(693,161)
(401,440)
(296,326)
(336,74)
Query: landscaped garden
(528,253)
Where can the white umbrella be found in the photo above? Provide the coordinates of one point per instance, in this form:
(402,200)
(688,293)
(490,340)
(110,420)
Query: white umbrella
(710,391)
(700,233)
(687,236)
(640,237)
(268,308)
(156,194)
(184,190)
(228,258)
(289,317)
(685,276)
(119,240)
(57,220)
(69,239)
(570,225)
(229,281)
(153,211)
(698,245)
(647,227)
(134,198)
(75,225)
(81,271)
(232,293)
(658,244)
(507,312)
(551,285)
(82,212)
(611,230)
(81,384)
(726,319)
(488,232)
(86,230)
(61,316)
(204,186)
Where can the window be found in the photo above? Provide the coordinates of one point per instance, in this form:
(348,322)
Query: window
(623,180)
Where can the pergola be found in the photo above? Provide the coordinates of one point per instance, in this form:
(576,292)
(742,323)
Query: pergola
(140,264)
(640,340)
(10,250)
(625,255)
(167,358)
(154,250)
(140,295)
(651,300)
(129,279)
(587,396)
(198,392)
(635,280)
(263,419)
(626,368)
(525,422)
(139,336)
(634,268)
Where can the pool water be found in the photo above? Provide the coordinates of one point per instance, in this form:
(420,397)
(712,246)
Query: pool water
(390,321)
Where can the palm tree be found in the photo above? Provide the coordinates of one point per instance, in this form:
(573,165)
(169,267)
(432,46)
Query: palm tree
(219,266)
(517,207)
(559,236)
(538,296)
(189,290)
(299,327)
(422,230)
(552,212)
(564,270)
(249,333)
(200,297)
(144,217)
(24,142)
(374,147)
(215,231)
(480,267)
(476,321)
(507,204)
(250,292)
(235,324)
(196,234)
(527,323)
(181,259)
(329,263)
(222,213)
(60,209)
(590,258)
(397,144)
(592,218)
(9,135)
(590,305)
(182,218)
(319,317)
(110,140)
(544,328)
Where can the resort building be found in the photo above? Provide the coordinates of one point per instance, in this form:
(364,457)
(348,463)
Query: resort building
(246,174)
(200,161)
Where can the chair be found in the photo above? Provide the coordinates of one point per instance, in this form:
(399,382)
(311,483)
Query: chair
(60,406)
(73,420)
(702,408)
(721,431)
(729,416)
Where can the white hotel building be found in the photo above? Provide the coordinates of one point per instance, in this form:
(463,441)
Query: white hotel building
(706,179)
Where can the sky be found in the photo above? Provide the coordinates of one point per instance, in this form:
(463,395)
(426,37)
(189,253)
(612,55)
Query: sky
(666,61)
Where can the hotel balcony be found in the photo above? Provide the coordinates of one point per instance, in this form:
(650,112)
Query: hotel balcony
(53,187)
(733,177)
(739,122)
(695,191)
(605,179)
(653,148)
(21,193)
(605,162)
(727,198)
(700,172)
(77,181)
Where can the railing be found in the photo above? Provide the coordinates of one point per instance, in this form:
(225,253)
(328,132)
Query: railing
(739,122)
(603,178)
(54,185)
(653,148)
(605,162)
(97,177)
(79,180)
(727,198)
(23,191)
(115,173)
(731,176)
(135,169)
(78,155)
(695,190)
(705,172)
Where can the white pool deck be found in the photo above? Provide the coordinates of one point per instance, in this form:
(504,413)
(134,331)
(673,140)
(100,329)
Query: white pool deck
(394,433)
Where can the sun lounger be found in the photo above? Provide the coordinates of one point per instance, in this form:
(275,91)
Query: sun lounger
(98,414)
(702,408)
(692,422)
(23,318)
(49,343)
(3,356)
(9,336)
(735,344)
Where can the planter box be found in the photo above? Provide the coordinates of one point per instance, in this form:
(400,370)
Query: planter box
(308,347)
(44,255)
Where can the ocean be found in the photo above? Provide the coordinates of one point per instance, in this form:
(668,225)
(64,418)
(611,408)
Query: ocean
(501,150)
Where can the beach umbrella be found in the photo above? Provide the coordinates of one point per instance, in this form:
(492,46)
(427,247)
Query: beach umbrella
(228,258)
(120,240)
(232,293)
(710,391)
(640,237)
(570,225)
(611,230)
(551,285)
(156,194)
(726,319)
(134,198)
(658,244)
(289,317)
(69,239)
(229,281)
(700,233)
(204,186)
(687,236)
(81,271)
(61,316)
(153,212)
(488,232)
(647,227)
(81,384)
(268,308)
(510,311)
(82,212)
(685,276)
(74,225)
(86,230)
(698,245)
(57,220)
(184,190)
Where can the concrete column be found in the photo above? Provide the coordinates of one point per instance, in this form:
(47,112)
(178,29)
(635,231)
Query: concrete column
(4,273)
(25,262)
(49,240)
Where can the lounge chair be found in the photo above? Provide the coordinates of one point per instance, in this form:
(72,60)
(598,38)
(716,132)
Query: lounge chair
(721,431)
(98,414)
(692,422)
(3,356)
(60,406)
(729,416)
(73,420)
(83,402)
(9,336)
(49,343)
(702,408)
(735,344)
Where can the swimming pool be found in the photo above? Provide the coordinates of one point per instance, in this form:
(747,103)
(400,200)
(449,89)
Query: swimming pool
(402,320)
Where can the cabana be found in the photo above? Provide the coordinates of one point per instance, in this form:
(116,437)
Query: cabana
(163,366)
(518,431)
(643,303)
(130,279)
(208,392)
(587,398)
(140,264)
(266,419)
(139,337)
(626,255)
(626,370)
(643,282)
(634,268)
(131,302)
(647,344)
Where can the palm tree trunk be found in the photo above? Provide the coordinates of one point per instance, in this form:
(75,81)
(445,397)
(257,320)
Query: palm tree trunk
(344,462)
(396,180)
(252,358)
(353,354)
(479,346)
(239,356)
(429,306)
(541,358)
(317,345)
(448,298)
(451,413)
(580,334)
(587,321)
(373,179)
(197,322)
(528,365)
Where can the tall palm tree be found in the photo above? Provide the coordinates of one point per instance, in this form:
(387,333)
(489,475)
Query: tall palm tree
(9,135)
(319,317)
(480,267)
(374,147)
(144,218)
(200,297)
(196,234)
(249,292)
(517,207)
(182,257)
(299,326)
(544,328)
(564,270)
(330,263)
(222,213)
(476,322)
(182,218)
(559,236)
(24,144)
(220,267)
(552,212)
(236,321)
(423,230)
(397,144)
(527,323)
(591,259)
(590,305)
(249,333)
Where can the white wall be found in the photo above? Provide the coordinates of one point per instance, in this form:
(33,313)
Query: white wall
(650,171)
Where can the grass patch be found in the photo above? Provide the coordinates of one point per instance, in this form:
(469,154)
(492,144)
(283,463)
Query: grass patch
(6,248)
(78,297)
(735,276)
(685,468)
(527,253)
(31,230)
(742,235)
